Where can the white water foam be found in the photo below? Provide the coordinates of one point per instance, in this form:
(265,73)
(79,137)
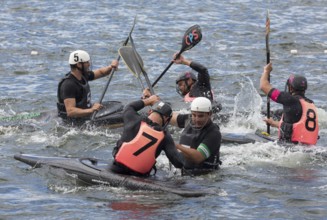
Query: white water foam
(247,109)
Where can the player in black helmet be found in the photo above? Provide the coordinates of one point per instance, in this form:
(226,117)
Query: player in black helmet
(184,82)
(190,86)
(299,123)
(144,138)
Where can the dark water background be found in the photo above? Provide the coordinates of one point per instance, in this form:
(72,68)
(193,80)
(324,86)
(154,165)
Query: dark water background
(257,181)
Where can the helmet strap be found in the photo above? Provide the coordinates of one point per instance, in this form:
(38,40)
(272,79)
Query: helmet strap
(178,90)
(188,86)
(287,87)
(167,122)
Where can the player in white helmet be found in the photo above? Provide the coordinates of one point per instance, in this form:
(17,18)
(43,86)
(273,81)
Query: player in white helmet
(200,139)
(74,95)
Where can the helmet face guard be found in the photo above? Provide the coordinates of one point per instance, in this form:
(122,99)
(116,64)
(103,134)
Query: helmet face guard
(179,91)
(287,84)
(184,77)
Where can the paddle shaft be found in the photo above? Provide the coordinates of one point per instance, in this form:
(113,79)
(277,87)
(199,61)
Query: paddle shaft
(268,61)
(112,73)
(113,70)
(167,68)
(108,82)
(163,73)
(147,80)
(268,99)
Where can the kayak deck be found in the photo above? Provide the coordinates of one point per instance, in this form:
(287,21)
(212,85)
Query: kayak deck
(245,138)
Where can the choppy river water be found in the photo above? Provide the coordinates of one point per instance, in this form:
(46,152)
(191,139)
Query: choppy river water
(256,181)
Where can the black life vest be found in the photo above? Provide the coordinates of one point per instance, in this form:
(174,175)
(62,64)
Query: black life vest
(84,103)
(193,138)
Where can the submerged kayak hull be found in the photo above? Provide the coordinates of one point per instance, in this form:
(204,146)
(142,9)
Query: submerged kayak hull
(93,171)
(245,138)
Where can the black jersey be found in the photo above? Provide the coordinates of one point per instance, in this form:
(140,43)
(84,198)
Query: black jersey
(202,87)
(70,87)
(206,140)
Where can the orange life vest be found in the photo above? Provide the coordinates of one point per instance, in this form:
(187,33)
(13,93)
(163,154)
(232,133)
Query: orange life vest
(139,153)
(188,98)
(306,130)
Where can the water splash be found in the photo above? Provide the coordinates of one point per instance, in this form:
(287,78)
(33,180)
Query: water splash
(247,108)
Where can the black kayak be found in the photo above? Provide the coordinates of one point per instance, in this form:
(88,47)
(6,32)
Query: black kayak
(245,138)
(91,171)
(110,115)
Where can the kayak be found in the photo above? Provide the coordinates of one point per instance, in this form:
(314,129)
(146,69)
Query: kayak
(92,171)
(245,138)
(111,115)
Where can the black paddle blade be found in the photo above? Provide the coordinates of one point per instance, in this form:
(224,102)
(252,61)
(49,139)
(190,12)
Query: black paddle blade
(192,37)
(109,108)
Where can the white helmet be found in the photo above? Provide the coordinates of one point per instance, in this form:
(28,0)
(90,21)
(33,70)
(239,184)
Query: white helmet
(78,56)
(201,104)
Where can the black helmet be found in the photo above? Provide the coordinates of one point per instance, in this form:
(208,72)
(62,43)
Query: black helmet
(163,109)
(297,82)
(185,76)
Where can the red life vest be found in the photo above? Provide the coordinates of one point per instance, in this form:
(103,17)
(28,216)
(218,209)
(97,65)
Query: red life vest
(139,154)
(188,98)
(306,130)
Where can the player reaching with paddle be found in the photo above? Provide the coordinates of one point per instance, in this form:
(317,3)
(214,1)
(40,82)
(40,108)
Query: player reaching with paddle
(144,138)
(190,86)
(202,137)
(299,123)
(74,94)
